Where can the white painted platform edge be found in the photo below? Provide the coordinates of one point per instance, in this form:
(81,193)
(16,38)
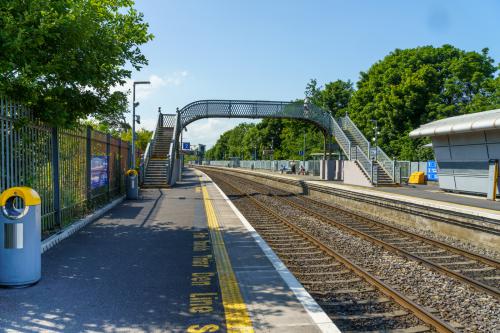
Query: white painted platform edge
(75,226)
(318,316)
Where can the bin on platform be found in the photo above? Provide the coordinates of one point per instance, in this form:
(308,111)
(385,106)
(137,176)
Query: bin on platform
(132,184)
(20,237)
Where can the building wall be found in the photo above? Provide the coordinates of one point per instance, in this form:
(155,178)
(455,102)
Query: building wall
(463,159)
(354,176)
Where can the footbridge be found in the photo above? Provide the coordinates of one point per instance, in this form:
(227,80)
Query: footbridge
(162,168)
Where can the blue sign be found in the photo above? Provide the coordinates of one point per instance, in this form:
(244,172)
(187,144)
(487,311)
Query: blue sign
(186,146)
(301,152)
(432,170)
(98,171)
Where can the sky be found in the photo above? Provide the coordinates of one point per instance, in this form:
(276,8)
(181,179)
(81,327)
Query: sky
(270,49)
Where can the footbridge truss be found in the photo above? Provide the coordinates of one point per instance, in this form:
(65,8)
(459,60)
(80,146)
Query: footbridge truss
(349,138)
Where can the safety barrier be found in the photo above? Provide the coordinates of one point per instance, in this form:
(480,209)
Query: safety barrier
(73,170)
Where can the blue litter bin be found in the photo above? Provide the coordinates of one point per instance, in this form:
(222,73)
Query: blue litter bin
(20,237)
(132,184)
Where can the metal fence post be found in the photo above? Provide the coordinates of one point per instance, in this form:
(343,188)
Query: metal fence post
(120,158)
(394,169)
(108,168)
(89,166)
(55,177)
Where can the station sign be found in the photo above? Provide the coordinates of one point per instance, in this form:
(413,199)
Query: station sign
(432,171)
(186,146)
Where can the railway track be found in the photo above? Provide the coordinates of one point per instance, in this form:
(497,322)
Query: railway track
(481,272)
(354,298)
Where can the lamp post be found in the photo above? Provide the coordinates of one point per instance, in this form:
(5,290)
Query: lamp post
(134,105)
(304,150)
(375,138)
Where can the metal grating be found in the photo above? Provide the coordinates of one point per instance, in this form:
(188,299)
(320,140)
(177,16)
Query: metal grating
(252,109)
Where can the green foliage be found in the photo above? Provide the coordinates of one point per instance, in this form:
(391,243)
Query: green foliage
(61,58)
(404,90)
(142,140)
(124,133)
(334,97)
(284,135)
(415,86)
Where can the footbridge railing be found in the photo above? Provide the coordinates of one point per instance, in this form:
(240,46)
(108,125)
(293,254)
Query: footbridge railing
(272,109)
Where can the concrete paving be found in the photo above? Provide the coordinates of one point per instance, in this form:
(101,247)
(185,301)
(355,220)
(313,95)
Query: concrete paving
(143,268)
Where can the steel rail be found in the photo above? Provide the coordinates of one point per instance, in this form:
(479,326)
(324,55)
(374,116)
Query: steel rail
(451,248)
(441,269)
(474,283)
(372,200)
(399,298)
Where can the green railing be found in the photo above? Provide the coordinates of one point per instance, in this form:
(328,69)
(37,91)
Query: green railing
(74,171)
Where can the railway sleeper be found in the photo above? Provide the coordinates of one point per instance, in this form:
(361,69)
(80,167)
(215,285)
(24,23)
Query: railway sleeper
(343,291)
(379,300)
(477,270)
(392,314)
(458,263)
(342,271)
(414,329)
(330,282)
(452,256)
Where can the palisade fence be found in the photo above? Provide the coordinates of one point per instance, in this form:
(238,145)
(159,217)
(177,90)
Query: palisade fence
(311,166)
(74,170)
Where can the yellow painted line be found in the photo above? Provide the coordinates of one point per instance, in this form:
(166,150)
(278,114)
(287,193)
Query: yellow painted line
(198,189)
(237,317)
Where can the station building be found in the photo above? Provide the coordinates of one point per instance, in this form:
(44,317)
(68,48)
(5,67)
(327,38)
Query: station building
(467,150)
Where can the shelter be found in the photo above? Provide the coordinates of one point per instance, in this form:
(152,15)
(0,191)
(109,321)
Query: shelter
(467,150)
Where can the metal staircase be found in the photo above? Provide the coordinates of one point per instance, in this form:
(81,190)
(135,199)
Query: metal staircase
(373,161)
(156,157)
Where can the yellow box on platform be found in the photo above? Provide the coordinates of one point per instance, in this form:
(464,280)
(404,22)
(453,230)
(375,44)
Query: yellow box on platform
(417,177)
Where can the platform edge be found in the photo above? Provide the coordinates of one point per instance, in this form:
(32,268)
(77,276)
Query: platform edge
(315,312)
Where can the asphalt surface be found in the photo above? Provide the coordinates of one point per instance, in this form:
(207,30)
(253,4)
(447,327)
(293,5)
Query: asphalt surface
(130,271)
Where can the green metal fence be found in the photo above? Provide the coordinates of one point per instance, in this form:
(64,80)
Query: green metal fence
(74,171)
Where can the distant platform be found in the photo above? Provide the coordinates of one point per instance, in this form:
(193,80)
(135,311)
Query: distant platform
(177,260)
(429,193)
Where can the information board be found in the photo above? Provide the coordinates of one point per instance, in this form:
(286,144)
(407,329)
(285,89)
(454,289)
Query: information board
(186,146)
(432,171)
(98,172)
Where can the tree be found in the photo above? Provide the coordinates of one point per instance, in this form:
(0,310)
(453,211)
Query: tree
(335,97)
(61,58)
(142,140)
(414,86)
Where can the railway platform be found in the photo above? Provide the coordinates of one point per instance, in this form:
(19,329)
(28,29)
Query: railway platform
(177,260)
(425,193)
(469,218)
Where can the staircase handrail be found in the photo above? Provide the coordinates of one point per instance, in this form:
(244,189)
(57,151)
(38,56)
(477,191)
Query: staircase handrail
(364,162)
(173,149)
(386,163)
(363,143)
(341,138)
(149,148)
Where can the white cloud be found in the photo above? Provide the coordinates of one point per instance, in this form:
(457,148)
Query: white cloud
(157,83)
(207,131)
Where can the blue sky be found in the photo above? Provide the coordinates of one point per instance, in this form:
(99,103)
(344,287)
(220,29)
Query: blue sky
(270,49)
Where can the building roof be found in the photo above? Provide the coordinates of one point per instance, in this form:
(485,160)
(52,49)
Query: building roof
(473,122)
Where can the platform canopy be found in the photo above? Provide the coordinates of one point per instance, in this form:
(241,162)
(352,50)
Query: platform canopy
(474,122)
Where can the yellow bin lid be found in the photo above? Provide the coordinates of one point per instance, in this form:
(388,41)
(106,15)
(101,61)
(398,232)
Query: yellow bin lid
(29,195)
